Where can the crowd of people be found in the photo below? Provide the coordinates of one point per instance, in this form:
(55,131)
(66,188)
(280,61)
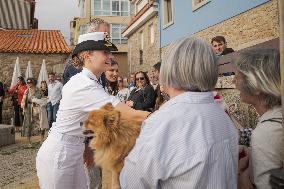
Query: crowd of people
(32,105)
(186,139)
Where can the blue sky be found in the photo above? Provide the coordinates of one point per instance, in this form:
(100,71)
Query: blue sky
(56,15)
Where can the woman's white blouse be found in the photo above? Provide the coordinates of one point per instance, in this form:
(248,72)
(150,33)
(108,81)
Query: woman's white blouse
(80,95)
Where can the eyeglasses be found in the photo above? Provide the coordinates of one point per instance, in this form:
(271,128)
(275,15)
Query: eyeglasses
(140,78)
(119,80)
(28,82)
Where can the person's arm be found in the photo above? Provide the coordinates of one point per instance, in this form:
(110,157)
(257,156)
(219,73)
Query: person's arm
(97,97)
(23,103)
(12,89)
(128,112)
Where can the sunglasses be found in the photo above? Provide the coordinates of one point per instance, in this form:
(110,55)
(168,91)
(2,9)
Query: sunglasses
(119,80)
(29,82)
(140,78)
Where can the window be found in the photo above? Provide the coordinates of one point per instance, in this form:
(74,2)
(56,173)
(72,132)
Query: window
(141,49)
(152,33)
(110,8)
(82,29)
(116,37)
(142,40)
(132,9)
(141,57)
(101,7)
(196,4)
(168,12)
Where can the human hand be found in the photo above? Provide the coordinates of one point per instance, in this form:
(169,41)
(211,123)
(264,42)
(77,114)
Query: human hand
(129,103)
(243,163)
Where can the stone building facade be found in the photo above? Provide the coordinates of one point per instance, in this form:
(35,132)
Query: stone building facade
(151,51)
(252,27)
(117,14)
(143,37)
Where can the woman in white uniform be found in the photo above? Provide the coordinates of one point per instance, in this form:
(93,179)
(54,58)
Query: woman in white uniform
(59,161)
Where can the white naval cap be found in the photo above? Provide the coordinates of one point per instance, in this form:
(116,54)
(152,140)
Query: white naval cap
(93,41)
(95,36)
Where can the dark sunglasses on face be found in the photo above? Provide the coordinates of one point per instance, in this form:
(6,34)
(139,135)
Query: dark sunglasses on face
(119,80)
(28,82)
(140,78)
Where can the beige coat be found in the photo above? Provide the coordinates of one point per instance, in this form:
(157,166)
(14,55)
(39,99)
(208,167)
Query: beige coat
(43,121)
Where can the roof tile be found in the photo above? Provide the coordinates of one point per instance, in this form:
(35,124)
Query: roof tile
(33,41)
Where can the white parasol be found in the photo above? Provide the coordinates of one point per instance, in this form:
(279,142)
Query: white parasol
(16,73)
(29,72)
(42,74)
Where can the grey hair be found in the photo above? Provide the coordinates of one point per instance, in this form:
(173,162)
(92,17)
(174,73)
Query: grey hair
(94,24)
(190,65)
(259,71)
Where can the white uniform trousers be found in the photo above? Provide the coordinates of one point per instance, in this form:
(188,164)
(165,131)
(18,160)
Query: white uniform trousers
(59,162)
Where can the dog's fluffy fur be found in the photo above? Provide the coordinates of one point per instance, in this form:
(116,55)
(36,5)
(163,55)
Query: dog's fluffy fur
(114,138)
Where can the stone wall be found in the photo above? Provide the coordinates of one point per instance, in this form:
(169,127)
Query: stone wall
(247,29)
(252,27)
(151,52)
(54,62)
(244,114)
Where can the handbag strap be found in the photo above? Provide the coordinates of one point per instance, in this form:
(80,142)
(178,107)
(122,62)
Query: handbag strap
(275,120)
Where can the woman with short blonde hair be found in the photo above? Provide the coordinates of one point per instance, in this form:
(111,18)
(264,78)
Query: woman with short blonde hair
(258,80)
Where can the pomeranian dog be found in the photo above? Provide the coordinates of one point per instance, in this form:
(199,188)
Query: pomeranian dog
(114,138)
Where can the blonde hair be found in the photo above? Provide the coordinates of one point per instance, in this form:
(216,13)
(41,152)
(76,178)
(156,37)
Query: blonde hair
(79,59)
(260,72)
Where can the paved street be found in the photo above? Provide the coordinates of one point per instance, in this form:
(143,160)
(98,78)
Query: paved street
(17,170)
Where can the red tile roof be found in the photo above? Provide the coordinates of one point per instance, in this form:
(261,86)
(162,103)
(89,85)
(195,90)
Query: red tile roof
(33,41)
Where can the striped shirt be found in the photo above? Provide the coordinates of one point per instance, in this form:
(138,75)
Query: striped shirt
(190,142)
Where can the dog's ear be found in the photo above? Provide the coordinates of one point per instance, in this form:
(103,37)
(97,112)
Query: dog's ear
(112,118)
(108,106)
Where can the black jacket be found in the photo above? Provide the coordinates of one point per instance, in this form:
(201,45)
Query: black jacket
(143,99)
(69,71)
(2,89)
(227,51)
